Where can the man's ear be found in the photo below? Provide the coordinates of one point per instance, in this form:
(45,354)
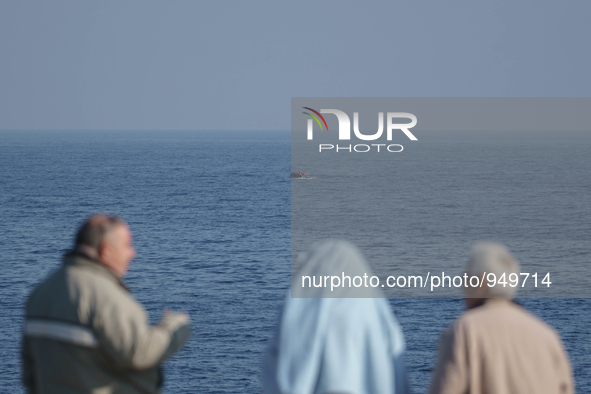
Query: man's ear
(482,290)
(102,249)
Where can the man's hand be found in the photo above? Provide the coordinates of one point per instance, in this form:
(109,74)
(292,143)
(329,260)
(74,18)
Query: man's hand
(169,313)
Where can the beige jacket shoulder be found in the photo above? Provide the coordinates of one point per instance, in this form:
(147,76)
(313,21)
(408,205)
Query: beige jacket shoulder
(85,333)
(501,348)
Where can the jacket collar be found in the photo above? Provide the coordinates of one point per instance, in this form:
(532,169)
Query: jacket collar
(80,259)
(495,302)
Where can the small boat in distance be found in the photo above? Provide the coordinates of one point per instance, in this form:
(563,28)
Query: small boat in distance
(298,174)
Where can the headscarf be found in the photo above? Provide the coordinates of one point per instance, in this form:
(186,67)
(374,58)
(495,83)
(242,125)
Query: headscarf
(336,345)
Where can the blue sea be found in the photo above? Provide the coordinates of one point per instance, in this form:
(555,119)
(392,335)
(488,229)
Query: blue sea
(210,213)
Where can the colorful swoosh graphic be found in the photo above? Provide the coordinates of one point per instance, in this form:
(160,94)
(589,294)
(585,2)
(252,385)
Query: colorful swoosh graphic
(315,118)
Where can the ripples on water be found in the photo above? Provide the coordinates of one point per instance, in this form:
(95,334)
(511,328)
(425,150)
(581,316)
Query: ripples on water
(210,213)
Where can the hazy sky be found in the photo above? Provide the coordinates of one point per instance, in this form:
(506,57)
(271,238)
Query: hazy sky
(236,64)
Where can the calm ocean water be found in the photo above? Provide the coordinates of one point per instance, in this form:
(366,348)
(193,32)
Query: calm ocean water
(210,213)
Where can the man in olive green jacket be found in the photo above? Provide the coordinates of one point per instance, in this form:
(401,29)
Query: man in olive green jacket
(84,333)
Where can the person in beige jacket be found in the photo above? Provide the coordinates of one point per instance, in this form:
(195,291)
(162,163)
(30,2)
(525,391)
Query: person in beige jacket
(83,331)
(497,347)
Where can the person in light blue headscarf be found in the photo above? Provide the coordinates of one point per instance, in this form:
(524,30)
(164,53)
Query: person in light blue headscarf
(329,342)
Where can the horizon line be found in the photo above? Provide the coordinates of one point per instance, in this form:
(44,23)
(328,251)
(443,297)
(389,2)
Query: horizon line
(115,130)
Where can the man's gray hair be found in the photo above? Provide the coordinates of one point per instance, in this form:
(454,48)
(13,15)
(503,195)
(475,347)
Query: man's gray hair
(94,230)
(495,258)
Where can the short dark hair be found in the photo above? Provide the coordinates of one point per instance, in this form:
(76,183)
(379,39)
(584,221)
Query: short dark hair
(94,230)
